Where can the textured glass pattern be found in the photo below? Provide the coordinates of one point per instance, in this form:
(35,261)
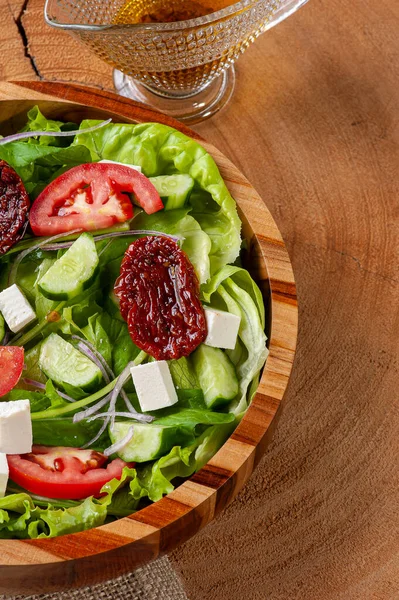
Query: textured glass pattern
(174,57)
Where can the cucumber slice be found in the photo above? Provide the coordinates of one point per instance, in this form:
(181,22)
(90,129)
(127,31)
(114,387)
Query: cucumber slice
(74,272)
(149,441)
(173,189)
(216,374)
(62,363)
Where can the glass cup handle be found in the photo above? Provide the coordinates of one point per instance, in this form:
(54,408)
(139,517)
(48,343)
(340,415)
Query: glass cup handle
(285,9)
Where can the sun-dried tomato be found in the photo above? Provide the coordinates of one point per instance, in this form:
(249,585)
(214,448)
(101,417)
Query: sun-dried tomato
(159,298)
(14,207)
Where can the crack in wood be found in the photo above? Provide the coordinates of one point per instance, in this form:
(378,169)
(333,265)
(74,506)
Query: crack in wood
(24,37)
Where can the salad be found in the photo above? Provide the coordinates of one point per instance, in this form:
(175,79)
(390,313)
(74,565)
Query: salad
(131,337)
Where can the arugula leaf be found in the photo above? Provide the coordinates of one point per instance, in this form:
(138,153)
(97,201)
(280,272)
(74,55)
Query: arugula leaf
(38,400)
(96,334)
(124,350)
(183,374)
(64,432)
(191,417)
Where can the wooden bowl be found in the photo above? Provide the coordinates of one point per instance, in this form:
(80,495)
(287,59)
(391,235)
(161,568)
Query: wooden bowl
(32,566)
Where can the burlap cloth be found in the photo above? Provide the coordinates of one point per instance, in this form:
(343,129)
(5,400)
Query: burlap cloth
(155,581)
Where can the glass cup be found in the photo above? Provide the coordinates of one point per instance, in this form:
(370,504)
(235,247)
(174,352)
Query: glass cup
(184,68)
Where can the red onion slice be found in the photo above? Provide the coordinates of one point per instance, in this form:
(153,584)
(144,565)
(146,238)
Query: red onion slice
(6,338)
(112,234)
(102,364)
(41,386)
(98,435)
(129,405)
(15,137)
(123,377)
(127,415)
(92,410)
(115,448)
(95,356)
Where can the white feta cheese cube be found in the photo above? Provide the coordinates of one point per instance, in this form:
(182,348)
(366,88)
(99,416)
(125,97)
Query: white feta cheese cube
(114,162)
(154,385)
(15,427)
(3,474)
(16,310)
(222,328)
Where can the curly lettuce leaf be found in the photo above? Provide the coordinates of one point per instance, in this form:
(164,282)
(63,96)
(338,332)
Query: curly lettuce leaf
(241,278)
(38,160)
(233,289)
(64,432)
(21,518)
(159,149)
(156,480)
(38,122)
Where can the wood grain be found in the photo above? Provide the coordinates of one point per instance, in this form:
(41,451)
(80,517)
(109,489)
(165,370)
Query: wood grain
(87,557)
(314,126)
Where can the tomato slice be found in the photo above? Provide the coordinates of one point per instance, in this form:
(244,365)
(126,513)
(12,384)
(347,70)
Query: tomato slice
(91,196)
(11,367)
(63,472)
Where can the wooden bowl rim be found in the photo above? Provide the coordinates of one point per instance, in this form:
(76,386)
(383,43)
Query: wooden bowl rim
(195,502)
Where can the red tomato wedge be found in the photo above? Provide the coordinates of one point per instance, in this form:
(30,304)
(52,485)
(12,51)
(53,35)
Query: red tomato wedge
(11,367)
(91,196)
(62,472)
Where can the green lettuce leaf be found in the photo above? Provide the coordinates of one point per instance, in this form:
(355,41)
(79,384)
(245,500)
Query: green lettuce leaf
(38,122)
(21,518)
(191,417)
(38,161)
(118,498)
(156,479)
(159,149)
(233,289)
(241,278)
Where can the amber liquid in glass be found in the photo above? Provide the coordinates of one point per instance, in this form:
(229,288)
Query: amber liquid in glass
(164,11)
(174,81)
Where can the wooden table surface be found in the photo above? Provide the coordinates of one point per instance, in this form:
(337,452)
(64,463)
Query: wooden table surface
(314,126)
